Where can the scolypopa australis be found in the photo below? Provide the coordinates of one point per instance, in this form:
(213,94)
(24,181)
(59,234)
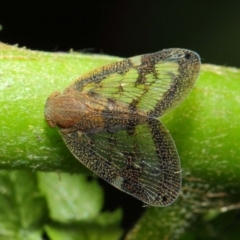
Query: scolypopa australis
(109,121)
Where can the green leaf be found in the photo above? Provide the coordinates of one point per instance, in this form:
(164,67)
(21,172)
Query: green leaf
(22,208)
(71,197)
(75,205)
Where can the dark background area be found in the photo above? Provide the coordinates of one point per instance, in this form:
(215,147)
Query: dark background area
(125,28)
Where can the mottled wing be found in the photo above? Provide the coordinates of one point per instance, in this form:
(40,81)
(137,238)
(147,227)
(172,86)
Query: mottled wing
(141,161)
(150,84)
(121,140)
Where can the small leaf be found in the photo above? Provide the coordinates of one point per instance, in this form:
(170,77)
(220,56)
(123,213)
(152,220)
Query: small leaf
(71,197)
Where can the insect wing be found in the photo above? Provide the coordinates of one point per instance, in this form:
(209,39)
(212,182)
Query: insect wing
(152,84)
(143,162)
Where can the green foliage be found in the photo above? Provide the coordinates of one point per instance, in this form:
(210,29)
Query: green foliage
(22,207)
(205,128)
(33,203)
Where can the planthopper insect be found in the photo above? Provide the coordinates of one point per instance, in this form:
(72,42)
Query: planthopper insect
(108,119)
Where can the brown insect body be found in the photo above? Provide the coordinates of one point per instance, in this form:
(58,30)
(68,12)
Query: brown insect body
(72,111)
